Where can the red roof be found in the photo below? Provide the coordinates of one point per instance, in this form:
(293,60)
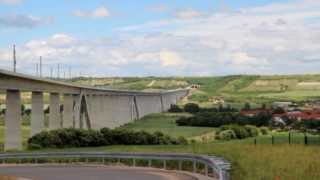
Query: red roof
(253,112)
(303,115)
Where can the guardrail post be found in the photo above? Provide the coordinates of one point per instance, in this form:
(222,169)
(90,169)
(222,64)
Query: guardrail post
(180,165)
(134,162)
(289,137)
(164,164)
(305,139)
(149,162)
(206,169)
(194,167)
(103,160)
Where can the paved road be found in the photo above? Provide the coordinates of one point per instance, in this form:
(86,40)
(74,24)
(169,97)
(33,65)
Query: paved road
(87,173)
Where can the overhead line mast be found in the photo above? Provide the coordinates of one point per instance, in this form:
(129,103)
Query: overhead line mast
(14,59)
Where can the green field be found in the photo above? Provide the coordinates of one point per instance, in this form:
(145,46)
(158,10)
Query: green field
(166,124)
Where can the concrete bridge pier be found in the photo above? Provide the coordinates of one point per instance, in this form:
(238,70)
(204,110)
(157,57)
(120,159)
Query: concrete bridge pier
(67,111)
(13,139)
(76,111)
(37,114)
(54,115)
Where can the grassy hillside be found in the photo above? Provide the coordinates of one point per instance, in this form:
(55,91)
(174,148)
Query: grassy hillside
(166,124)
(233,89)
(257,89)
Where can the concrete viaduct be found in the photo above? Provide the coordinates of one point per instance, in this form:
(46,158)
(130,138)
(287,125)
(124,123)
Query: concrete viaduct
(83,106)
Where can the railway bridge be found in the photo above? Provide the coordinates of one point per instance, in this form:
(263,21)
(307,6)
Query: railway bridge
(83,106)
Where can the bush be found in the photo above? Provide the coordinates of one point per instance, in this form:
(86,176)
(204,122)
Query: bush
(27,111)
(311,124)
(227,135)
(175,109)
(182,140)
(62,138)
(264,130)
(191,108)
(252,130)
(240,131)
(217,119)
(207,119)
(47,110)
(3,111)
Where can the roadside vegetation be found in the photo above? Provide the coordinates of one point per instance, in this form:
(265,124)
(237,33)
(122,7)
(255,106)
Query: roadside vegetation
(249,162)
(63,138)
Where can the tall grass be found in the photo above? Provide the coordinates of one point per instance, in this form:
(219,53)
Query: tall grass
(249,162)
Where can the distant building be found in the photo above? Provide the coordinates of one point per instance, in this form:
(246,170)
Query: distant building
(254,112)
(284,105)
(195,86)
(216,100)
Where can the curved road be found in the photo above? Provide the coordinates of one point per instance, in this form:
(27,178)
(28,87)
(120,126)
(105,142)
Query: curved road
(50,172)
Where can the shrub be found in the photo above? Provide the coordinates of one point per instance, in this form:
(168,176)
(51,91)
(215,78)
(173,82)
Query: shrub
(27,111)
(217,119)
(227,135)
(62,138)
(191,108)
(264,130)
(47,110)
(252,130)
(182,140)
(240,131)
(23,108)
(278,110)
(3,111)
(175,109)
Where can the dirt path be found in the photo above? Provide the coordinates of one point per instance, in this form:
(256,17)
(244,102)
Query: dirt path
(151,83)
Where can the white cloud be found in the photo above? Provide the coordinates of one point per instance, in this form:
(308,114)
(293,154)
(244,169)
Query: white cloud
(254,40)
(24,21)
(170,58)
(100,12)
(188,14)
(11,2)
(243,59)
(159,8)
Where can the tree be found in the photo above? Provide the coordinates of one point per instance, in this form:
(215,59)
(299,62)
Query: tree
(247,106)
(191,108)
(278,110)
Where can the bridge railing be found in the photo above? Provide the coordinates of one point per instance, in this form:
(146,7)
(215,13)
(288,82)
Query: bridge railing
(212,166)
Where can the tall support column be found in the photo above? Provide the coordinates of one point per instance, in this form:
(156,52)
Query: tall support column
(94,106)
(54,116)
(161,101)
(37,114)
(13,138)
(67,111)
(136,107)
(76,110)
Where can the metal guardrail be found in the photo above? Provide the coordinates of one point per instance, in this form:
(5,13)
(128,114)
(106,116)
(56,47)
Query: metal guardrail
(220,167)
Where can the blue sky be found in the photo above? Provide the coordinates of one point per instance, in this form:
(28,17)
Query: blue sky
(162,37)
